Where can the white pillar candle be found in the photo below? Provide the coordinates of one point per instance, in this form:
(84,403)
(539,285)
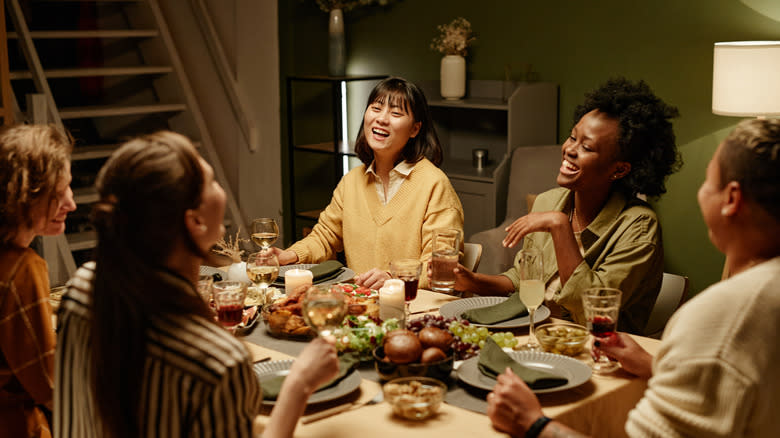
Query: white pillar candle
(295,278)
(391,301)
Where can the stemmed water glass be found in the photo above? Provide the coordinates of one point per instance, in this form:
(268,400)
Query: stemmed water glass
(229,298)
(408,271)
(531,290)
(264,232)
(262,268)
(324,308)
(601,306)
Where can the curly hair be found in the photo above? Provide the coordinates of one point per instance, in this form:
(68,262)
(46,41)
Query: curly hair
(751,156)
(33,159)
(409,96)
(645,139)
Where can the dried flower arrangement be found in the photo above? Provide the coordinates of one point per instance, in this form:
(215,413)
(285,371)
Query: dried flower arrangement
(454,38)
(230,247)
(346,5)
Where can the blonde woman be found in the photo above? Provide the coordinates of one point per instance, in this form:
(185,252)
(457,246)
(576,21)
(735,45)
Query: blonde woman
(35,175)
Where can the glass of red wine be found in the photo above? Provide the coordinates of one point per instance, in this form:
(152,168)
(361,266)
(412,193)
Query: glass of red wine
(601,306)
(408,271)
(229,299)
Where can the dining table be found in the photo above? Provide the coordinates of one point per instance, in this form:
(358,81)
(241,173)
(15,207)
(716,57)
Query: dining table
(599,407)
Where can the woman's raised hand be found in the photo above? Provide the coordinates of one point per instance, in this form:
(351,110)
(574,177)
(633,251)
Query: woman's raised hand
(532,222)
(632,357)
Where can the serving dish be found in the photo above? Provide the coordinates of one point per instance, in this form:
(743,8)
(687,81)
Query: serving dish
(439,370)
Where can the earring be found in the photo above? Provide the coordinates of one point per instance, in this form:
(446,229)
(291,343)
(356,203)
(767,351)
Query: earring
(724,211)
(204,228)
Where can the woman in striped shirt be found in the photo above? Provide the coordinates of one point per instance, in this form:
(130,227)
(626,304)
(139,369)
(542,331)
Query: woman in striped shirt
(140,354)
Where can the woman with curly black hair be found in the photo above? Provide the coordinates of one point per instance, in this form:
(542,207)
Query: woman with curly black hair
(594,230)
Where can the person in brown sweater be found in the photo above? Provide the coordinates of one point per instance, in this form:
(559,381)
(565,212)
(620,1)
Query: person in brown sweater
(35,171)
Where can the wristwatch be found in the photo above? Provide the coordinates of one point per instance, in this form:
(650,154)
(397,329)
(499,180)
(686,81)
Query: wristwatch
(536,428)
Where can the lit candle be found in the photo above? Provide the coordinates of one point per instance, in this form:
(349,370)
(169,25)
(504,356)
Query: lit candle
(295,278)
(391,300)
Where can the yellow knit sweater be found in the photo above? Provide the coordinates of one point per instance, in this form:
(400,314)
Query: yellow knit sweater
(371,234)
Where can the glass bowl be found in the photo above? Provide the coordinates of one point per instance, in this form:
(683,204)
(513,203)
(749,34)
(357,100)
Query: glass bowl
(414,398)
(564,338)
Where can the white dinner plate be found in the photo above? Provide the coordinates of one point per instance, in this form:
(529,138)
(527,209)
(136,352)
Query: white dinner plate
(269,370)
(572,369)
(454,309)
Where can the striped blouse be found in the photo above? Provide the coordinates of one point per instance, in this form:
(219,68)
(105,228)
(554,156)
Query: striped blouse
(198,380)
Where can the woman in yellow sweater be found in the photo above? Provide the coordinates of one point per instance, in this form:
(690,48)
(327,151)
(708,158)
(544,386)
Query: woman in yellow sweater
(387,208)
(35,175)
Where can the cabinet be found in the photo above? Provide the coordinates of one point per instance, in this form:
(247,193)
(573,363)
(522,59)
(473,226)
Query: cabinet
(497,116)
(323,116)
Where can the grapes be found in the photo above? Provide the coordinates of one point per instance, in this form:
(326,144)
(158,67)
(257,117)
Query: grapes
(468,339)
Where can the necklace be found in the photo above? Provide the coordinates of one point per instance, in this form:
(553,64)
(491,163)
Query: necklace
(575,223)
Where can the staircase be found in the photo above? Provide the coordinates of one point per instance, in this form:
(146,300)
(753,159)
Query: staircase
(104,70)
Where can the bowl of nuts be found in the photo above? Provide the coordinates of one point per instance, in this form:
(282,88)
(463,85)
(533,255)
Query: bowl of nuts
(414,398)
(564,338)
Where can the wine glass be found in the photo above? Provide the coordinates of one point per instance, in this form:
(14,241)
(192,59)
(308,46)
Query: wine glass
(531,290)
(229,298)
(408,271)
(601,306)
(324,308)
(264,232)
(262,268)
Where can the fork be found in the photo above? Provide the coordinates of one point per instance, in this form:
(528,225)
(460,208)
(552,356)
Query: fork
(378,398)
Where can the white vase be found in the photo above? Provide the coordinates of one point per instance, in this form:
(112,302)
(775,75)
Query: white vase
(337,48)
(453,77)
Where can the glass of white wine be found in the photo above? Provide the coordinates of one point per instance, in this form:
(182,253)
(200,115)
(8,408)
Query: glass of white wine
(264,232)
(531,289)
(262,268)
(324,308)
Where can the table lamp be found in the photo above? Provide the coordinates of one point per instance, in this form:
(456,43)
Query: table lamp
(746,82)
(746,79)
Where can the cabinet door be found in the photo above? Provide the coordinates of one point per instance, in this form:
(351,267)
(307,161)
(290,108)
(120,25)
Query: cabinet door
(479,204)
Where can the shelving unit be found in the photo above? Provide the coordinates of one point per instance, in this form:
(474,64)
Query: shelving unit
(321,138)
(498,116)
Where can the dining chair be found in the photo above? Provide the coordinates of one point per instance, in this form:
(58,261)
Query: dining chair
(472,253)
(674,289)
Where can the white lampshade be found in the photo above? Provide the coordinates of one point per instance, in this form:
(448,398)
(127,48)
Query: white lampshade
(746,78)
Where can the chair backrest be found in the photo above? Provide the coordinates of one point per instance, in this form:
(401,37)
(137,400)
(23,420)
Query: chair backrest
(533,171)
(472,253)
(673,291)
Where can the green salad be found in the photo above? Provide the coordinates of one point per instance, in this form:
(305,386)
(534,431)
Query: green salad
(361,334)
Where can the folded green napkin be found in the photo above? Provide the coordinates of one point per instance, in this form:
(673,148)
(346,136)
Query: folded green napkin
(326,270)
(494,361)
(271,387)
(511,308)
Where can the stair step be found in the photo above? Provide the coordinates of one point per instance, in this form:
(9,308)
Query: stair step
(98,71)
(82,240)
(92,152)
(84,112)
(85,195)
(81,34)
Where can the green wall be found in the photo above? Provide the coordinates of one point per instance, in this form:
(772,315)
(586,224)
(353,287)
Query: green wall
(575,44)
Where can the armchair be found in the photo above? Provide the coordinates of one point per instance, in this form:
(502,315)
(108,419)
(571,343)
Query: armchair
(533,170)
